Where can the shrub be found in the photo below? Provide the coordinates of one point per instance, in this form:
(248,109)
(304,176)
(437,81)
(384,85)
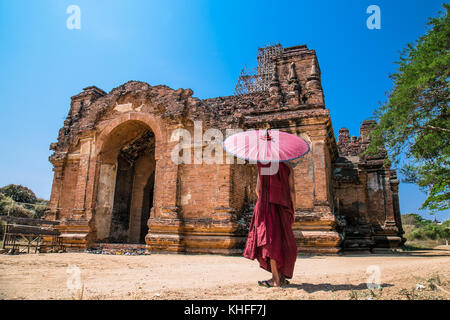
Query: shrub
(19,193)
(415,220)
(417,234)
(10,207)
(40,208)
(418,228)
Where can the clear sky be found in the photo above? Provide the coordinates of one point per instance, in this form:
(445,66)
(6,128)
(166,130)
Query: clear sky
(201,45)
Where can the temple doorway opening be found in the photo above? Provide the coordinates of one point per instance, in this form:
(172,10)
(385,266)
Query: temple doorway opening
(126,184)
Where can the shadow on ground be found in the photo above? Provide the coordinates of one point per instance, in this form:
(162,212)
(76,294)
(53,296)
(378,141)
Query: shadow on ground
(416,252)
(310,288)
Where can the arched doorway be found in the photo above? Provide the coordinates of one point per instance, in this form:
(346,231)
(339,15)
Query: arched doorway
(126,183)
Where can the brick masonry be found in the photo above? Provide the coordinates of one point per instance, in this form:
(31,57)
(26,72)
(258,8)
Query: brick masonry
(110,186)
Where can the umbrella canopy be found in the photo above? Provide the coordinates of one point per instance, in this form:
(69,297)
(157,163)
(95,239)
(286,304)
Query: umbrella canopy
(266,146)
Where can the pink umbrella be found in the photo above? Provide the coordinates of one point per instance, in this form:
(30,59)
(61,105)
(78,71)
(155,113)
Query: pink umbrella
(266,146)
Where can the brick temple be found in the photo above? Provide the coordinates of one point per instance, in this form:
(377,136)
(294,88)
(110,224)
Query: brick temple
(114,180)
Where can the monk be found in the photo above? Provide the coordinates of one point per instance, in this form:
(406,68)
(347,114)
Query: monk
(271,239)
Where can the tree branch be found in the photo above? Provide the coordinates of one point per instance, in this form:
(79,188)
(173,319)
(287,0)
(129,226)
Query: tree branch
(434,128)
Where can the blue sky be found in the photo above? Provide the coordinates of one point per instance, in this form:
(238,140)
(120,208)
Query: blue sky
(201,45)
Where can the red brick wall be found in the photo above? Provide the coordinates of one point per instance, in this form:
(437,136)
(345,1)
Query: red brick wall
(198,191)
(67,195)
(244,185)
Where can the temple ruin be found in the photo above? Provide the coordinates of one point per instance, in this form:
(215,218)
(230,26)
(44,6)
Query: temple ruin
(114,180)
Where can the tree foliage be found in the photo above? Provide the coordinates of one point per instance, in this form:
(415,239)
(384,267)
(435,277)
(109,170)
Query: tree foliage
(10,207)
(424,229)
(20,201)
(415,220)
(19,193)
(414,124)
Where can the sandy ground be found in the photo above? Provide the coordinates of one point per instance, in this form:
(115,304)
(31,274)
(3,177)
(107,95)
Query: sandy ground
(164,276)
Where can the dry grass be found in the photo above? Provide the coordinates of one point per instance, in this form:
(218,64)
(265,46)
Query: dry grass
(423,244)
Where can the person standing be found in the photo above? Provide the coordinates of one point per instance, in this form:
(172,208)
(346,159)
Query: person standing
(271,240)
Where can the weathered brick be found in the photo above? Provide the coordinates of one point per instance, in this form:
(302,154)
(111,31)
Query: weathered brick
(205,207)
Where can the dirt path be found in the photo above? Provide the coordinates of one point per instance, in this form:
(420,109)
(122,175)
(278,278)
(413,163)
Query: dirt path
(161,276)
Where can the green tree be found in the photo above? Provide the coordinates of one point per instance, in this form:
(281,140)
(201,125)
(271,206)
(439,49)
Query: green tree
(414,124)
(414,219)
(40,207)
(9,207)
(20,201)
(19,193)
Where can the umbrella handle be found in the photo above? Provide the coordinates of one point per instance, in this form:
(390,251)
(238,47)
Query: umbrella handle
(268,136)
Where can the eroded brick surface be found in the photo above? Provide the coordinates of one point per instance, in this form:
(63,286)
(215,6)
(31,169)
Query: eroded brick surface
(114,178)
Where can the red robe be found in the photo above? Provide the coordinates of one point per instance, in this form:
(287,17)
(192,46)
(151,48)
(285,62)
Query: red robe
(270,234)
